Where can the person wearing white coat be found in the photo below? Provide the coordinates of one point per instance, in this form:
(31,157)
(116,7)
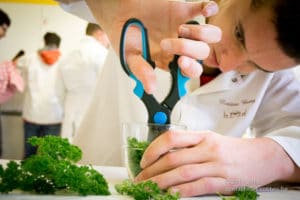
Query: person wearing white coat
(99,135)
(77,76)
(244,95)
(42,110)
(113,103)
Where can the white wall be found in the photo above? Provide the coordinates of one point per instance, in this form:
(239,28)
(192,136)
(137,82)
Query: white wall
(29,23)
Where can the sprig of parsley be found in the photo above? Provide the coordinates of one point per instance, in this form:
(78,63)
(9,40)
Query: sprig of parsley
(52,169)
(243,193)
(144,190)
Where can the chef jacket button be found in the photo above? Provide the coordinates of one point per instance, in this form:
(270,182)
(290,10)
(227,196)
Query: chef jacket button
(234,80)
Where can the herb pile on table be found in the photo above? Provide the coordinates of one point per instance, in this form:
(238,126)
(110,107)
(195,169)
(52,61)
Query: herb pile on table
(53,168)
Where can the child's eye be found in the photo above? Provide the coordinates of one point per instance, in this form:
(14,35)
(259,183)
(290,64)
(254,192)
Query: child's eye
(239,34)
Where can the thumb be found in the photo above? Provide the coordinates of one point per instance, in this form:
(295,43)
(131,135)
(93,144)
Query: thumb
(207,9)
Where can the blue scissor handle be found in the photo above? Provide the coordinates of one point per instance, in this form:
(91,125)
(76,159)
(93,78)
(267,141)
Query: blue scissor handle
(159,113)
(139,89)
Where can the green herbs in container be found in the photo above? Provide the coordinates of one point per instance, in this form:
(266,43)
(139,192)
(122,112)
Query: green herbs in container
(135,150)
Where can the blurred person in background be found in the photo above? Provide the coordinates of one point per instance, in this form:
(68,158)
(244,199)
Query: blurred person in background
(10,78)
(77,77)
(4,23)
(42,111)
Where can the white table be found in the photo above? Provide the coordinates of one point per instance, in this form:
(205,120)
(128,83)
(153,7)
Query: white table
(117,174)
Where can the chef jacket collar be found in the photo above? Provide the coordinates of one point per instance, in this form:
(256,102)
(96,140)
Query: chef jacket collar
(225,81)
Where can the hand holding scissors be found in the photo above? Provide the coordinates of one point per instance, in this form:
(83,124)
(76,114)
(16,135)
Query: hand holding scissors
(158,113)
(162,18)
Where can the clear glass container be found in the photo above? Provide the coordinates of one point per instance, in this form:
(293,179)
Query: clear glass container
(135,139)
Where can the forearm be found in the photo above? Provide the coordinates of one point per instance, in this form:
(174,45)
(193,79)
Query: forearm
(294,175)
(287,169)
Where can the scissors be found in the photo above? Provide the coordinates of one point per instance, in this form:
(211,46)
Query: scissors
(158,113)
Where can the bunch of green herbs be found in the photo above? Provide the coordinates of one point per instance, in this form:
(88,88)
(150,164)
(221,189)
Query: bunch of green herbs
(136,150)
(53,168)
(144,190)
(243,193)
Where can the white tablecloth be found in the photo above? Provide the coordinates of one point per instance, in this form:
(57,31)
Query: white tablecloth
(116,174)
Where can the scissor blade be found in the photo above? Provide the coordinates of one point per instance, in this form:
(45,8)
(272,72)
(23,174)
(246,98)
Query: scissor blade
(155,131)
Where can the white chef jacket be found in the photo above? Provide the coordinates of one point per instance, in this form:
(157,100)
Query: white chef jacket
(41,104)
(77,77)
(267,103)
(297,71)
(114,103)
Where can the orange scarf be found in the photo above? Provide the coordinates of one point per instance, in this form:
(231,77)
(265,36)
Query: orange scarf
(50,56)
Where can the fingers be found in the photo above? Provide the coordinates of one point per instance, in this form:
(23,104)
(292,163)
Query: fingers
(194,179)
(194,9)
(143,70)
(191,48)
(192,51)
(209,9)
(167,142)
(187,173)
(174,159)
(195,43)
(190,67)
(205,32)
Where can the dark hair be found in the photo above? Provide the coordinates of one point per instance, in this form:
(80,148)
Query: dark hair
(4,19)
(91,28)
(286,17)
(51,39)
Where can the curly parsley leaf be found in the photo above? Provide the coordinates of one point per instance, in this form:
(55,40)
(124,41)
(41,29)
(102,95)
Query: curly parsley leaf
(246,193)
(136,150)
(243,193)
(52,169)
(144,190)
